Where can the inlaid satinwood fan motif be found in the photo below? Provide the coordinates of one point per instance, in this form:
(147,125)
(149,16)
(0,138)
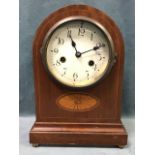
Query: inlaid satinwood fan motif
(77,102)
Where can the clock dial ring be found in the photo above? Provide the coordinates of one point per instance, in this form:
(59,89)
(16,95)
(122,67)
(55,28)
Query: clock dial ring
(110,44)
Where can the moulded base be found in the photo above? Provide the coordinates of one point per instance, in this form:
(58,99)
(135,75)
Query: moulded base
(93,134)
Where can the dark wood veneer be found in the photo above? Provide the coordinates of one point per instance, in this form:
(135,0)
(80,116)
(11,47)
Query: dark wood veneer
(101,126)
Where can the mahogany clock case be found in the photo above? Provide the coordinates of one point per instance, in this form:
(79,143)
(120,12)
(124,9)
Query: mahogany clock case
(98,126)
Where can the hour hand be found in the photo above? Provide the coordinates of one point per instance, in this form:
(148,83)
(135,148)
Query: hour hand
(72,42)
(77,54)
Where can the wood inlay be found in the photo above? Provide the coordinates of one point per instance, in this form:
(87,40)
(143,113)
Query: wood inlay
(77,102)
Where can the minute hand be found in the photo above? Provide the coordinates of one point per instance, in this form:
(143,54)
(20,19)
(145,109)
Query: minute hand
(93,49)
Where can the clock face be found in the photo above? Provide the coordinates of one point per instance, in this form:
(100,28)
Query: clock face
(77,53)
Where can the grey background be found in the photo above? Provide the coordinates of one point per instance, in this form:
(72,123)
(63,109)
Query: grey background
(32,12)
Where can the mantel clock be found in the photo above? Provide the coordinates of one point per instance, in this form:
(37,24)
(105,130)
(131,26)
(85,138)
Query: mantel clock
(78,55)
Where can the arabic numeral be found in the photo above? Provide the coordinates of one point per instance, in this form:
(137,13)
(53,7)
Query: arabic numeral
(58,63)
(81,32)
(87,72)
(55,50)
(69,33)
(100,45)
(60,41)
(75,76)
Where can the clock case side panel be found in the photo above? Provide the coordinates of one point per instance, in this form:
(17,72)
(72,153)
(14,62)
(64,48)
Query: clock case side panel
(43,132)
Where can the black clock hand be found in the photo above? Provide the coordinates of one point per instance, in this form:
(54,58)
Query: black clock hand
(93,49)
(77,54)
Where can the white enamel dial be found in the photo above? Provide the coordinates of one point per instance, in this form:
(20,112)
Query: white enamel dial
(77,53)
